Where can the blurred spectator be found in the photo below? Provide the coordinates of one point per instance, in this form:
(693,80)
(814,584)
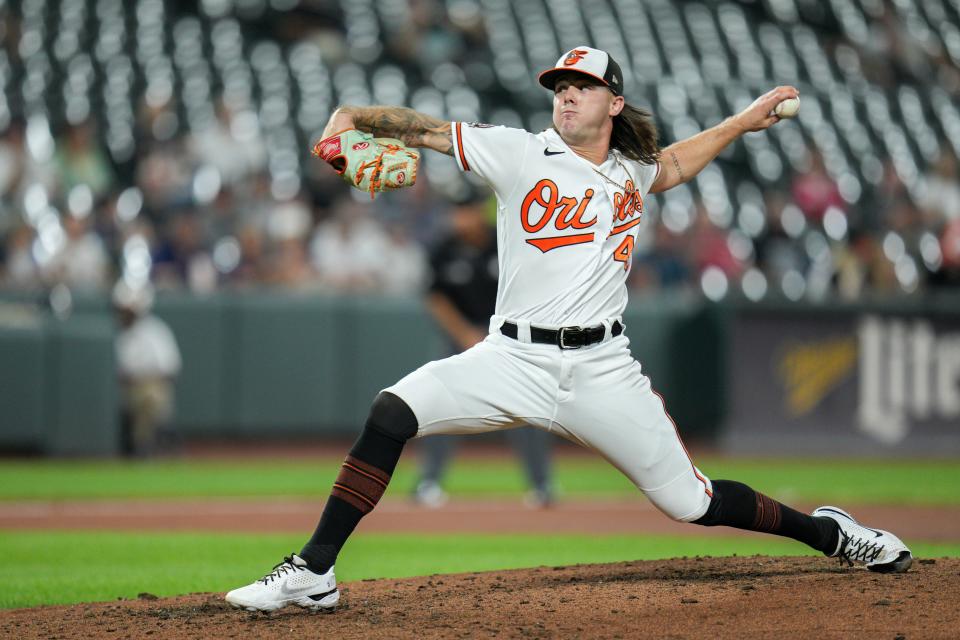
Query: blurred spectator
(907,221)
(231,144)
(82,262)
(948,275)
(288,265)
(941,197)
(404,265)
(14,161)
(875,209)
(349,250)
(81,161)
(709,246)
(288,262)
(427,38)
(220,217)
(253,202)
(182,259)
(148,362)
(20,168)
(422,209)
(251,267)
(665,266)
(164,175)
(815,191)
(21,271)
(778,252)
(862,267)
(854,263)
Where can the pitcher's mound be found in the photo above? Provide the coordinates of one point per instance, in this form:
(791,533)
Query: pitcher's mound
(683,598)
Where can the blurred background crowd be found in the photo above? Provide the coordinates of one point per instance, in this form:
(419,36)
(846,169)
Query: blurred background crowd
(169,142)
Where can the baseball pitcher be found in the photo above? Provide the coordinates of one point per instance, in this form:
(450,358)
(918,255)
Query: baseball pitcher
(557,356)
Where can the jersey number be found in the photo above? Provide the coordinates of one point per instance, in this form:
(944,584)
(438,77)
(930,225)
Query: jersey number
(624,251)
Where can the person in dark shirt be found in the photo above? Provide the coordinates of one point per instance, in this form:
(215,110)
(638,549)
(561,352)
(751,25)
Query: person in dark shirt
(461,298)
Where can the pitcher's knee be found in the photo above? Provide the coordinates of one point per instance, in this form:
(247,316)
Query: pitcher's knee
(733,504)
(393,417)
(687,512)
(684,505)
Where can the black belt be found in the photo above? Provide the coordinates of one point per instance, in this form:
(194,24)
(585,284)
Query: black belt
(565,337)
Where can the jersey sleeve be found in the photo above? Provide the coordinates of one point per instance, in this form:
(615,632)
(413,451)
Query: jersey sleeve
(494,153)
(647,174)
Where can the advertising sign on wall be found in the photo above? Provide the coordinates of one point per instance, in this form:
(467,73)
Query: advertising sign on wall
(857,383)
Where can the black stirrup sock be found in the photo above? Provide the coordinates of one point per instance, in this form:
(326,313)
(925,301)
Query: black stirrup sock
(362,480)
(734,504)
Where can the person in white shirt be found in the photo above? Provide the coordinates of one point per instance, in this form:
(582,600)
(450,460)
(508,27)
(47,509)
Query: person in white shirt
(148,362)
(556,357)
(940,201)
(349,249)
(82,262)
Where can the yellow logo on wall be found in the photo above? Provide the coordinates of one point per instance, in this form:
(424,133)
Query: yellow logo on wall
(810,371)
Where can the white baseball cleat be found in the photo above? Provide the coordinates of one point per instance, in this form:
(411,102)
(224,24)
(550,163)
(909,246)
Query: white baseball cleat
(880,550)
(290,582)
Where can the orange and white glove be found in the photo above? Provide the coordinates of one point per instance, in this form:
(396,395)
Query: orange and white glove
(367,163)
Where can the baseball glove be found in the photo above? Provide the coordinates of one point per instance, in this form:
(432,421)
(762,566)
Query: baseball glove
(368,163)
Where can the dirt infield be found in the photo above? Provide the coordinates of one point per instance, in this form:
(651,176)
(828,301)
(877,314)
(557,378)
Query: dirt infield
(685,598)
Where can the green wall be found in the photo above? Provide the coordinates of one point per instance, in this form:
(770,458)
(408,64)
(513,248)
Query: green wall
(271,364)
(58,390)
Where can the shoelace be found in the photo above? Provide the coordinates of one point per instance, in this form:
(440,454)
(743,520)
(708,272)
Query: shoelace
(859,549)
(283,568)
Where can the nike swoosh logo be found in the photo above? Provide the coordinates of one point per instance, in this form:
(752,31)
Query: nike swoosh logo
(284,589)
(876,534)
(547,152)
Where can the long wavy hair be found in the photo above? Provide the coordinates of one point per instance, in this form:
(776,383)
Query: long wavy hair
(635,135)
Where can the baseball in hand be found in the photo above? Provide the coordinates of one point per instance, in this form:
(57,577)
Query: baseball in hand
(788,108)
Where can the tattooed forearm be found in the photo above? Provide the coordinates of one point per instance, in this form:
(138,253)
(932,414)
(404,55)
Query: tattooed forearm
(676,165)
(413,128)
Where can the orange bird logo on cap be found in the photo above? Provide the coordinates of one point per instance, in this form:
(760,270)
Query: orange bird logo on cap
(574,56)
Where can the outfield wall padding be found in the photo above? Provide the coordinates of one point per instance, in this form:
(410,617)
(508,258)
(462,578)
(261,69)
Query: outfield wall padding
(271,364)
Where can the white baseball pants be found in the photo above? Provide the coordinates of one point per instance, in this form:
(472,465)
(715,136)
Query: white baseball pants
(595,396)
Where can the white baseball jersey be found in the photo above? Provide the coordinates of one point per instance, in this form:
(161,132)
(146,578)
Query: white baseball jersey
(566,234)
(565,241)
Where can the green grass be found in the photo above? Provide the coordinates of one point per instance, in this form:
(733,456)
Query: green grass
(875,482)
(63,567)
(66,567)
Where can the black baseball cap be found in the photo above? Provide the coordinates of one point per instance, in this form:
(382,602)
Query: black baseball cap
(592,62)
